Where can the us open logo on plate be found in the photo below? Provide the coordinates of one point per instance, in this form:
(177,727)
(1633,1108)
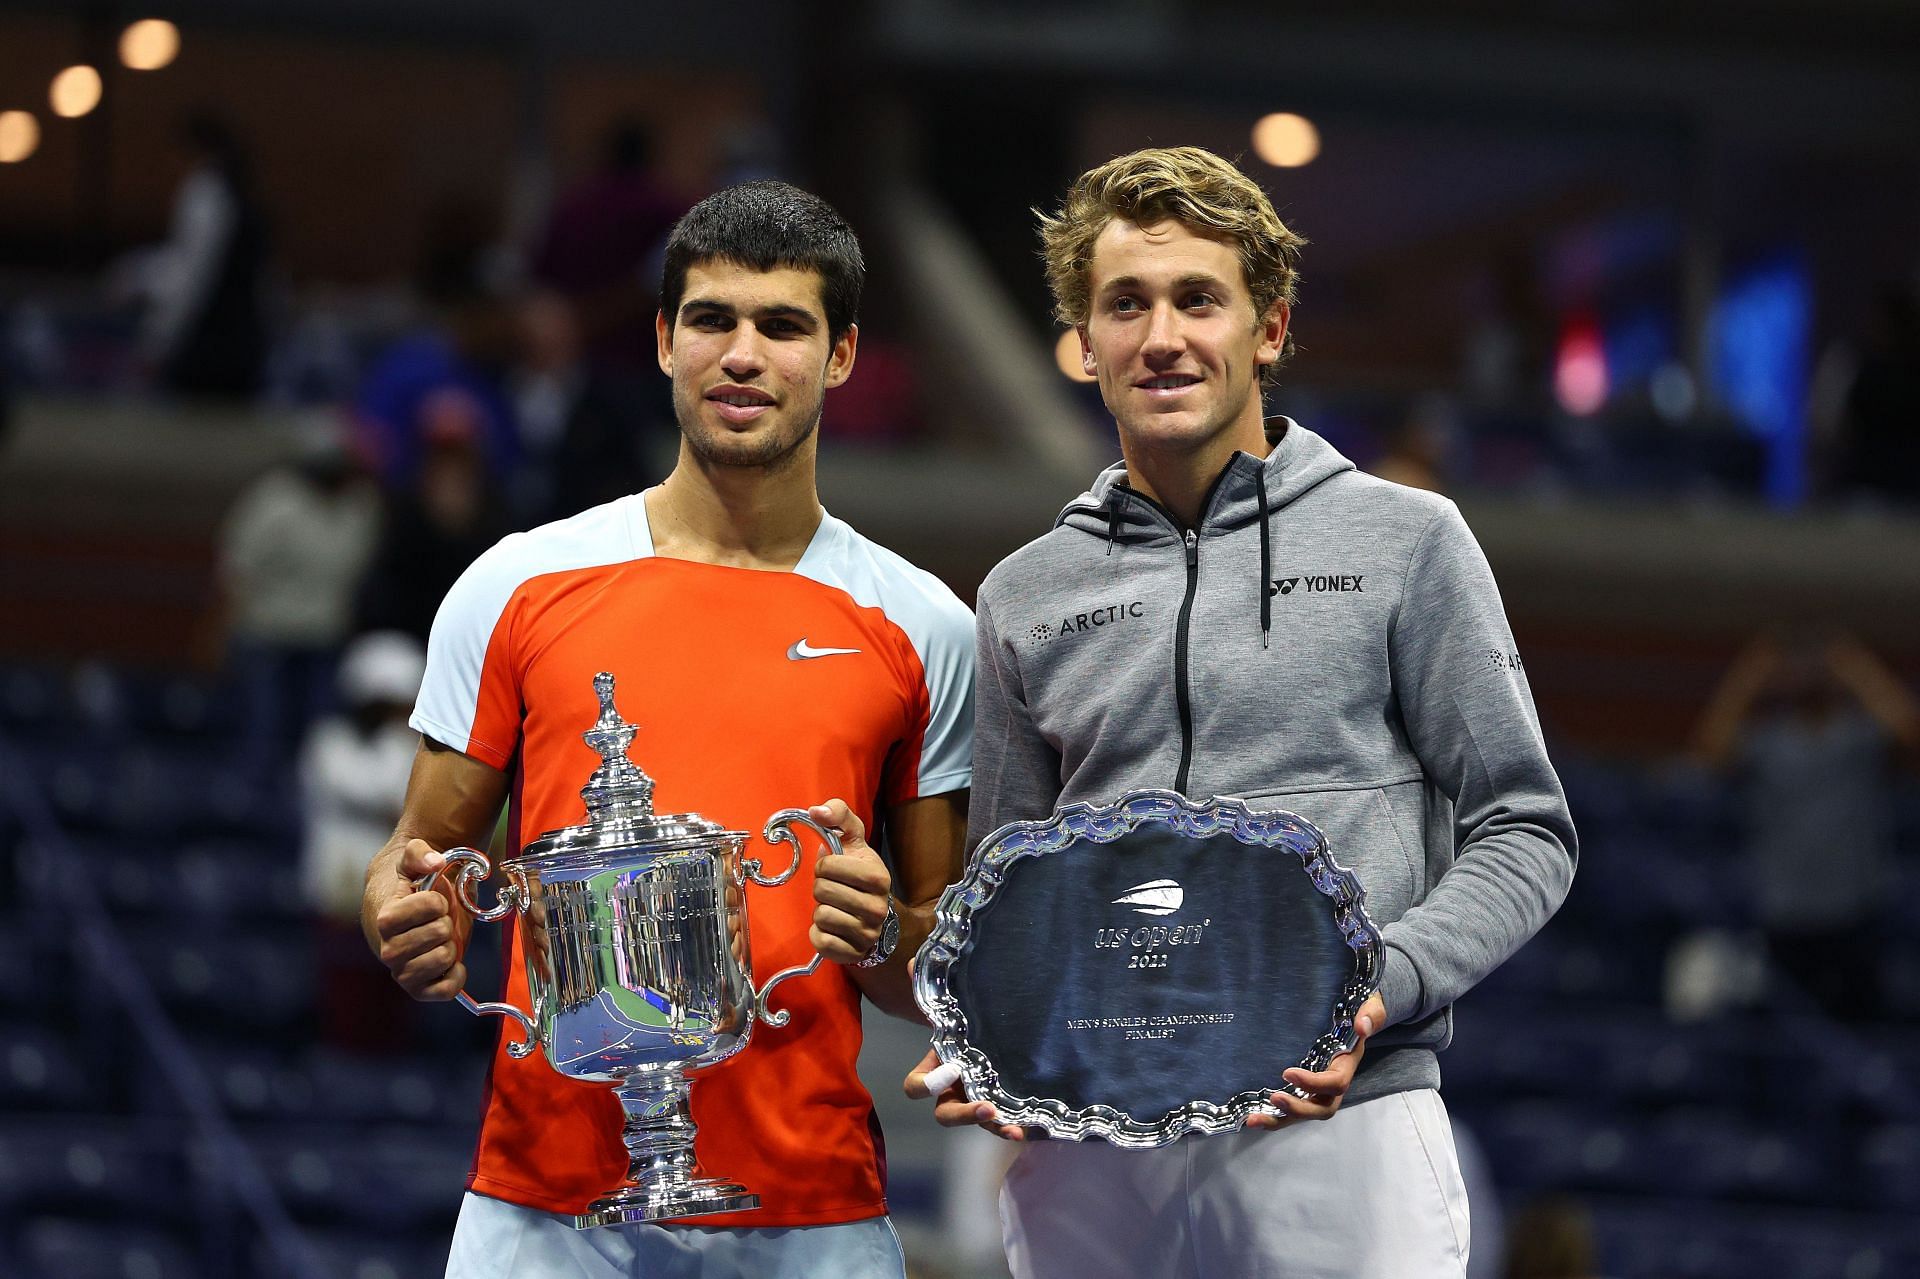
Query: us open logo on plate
(1155,897)
(1150,943)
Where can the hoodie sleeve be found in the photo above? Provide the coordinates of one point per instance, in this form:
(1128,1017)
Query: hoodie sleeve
(1469,714)
(1016,773)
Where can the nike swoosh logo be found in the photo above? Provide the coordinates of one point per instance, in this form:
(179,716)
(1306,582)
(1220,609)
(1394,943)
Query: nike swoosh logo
(802,650)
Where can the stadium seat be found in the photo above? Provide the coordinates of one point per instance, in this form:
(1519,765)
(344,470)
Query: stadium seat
(63,1248)
(40,1071)
(261,980)
(97,1166)
(367,1177)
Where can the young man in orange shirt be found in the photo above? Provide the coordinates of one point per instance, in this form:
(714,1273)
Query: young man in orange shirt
(770,655)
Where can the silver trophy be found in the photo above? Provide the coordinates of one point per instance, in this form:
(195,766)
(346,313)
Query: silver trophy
(634,931)
(1145,969)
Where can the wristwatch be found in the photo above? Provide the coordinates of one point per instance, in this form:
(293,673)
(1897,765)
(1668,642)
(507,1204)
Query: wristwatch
(889,938)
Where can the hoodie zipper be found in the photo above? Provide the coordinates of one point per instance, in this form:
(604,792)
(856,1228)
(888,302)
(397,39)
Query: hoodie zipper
(1181,691)
(1190,538)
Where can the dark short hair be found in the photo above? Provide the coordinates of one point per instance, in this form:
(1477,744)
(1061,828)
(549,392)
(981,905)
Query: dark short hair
(764,225)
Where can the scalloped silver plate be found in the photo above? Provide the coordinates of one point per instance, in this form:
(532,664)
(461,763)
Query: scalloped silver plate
(1146,969)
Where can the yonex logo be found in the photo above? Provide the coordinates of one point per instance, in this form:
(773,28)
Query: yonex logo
(801,650)
(1320,584)
(1155,897)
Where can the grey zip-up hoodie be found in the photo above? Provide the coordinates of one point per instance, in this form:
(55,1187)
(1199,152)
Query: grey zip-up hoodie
(1324,642)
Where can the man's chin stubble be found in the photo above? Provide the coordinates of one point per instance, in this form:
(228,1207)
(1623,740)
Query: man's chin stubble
(771,455)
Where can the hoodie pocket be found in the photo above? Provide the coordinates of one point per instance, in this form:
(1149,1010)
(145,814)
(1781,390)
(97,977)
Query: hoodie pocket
(1363,837)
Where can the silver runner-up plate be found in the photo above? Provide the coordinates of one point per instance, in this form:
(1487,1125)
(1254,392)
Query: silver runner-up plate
(1146,969)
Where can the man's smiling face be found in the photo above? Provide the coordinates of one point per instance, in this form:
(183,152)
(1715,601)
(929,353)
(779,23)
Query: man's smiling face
(1173,337)
(751,360)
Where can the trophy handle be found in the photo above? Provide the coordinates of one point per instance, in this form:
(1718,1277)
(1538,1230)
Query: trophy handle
(474,867)
(779,830)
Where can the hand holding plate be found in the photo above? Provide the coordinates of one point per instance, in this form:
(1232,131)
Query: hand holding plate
(1324,1089)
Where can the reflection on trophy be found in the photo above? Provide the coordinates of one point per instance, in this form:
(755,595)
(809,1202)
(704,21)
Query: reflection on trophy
(634,930)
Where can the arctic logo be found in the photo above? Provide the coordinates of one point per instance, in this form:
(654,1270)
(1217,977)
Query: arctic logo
(1091,620)
(1316,585)
(802,650)
(1155,897)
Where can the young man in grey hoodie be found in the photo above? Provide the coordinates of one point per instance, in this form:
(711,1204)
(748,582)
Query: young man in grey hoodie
(1235,610)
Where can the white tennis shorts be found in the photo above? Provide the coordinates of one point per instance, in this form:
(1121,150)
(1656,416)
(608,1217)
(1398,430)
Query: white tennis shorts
(1372,1193)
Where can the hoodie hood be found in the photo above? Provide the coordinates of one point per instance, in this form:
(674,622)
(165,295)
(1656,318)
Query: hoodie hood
(1299,462)
(1246,492)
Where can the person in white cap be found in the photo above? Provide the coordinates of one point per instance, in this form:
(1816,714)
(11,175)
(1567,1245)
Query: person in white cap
(353,780)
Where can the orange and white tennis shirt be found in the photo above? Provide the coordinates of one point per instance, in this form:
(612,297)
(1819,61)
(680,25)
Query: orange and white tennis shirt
(753,691)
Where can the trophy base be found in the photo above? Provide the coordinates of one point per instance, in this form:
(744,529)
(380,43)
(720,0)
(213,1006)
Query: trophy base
(660,1203)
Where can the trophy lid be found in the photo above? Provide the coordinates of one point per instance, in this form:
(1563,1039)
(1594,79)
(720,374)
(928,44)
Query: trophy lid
(619,798)
(618,790)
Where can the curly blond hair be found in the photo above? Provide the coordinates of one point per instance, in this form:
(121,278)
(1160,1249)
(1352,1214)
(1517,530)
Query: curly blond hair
(1188,185)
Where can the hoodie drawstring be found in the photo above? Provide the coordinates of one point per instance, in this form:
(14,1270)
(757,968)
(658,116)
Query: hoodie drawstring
(1113,521)
(1266,564)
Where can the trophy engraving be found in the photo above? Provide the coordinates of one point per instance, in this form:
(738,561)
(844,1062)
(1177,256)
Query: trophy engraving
(633,929)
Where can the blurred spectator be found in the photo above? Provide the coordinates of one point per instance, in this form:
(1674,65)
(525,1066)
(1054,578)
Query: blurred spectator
(1812,725)
(291,553)
(353,771)
(434,531)
(1552,1239)
(1880,423)
(584,438)
(353,778)
(464,345)
(600,247)
(1711,970)
(204,327)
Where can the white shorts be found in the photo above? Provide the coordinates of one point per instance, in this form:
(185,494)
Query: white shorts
(1373,1193)
(498,1240)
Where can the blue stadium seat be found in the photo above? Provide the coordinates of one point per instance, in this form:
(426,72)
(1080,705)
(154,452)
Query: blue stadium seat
(36,976)
(1539,1146)
(63,1248)
(368,1178)
(1889,1169)
(163,876)
(438,1090)
(257,879)
(364,1253)
(1707,1242)
(257,979)
(34,705)
(39,1071)
(249,1079)
(97,1166)
(166,706)
(1724,1154)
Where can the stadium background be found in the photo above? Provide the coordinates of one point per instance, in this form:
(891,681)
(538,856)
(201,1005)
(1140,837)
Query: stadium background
(1633,283)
